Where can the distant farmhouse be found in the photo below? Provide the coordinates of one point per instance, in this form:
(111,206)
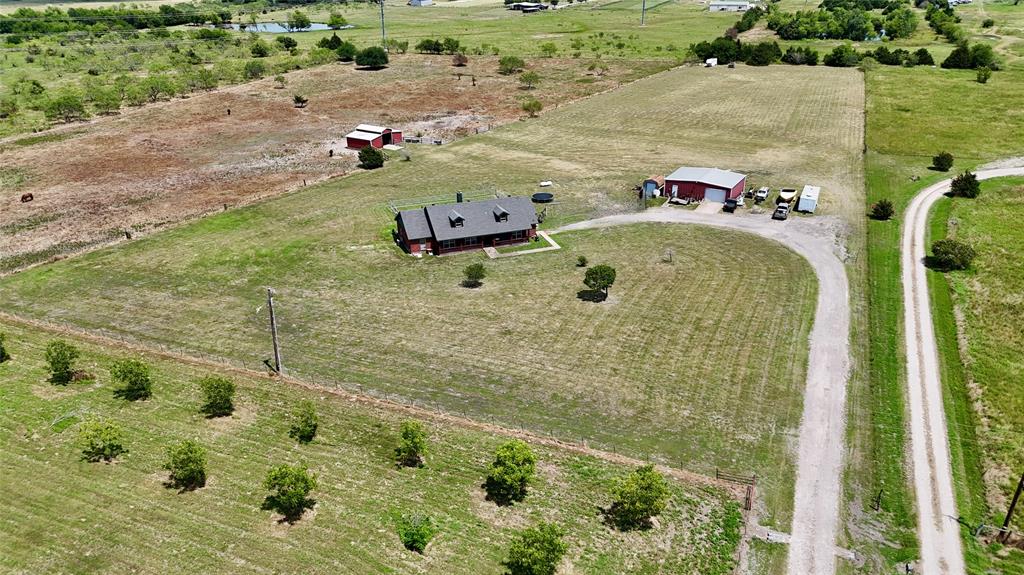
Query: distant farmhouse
(700,184)
(729,6)
(370,135)
(528,7)
(421,2)
(446,228)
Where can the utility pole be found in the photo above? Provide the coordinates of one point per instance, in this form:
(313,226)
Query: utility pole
(383,35)
(273,331)
(643,12)
(1009,512)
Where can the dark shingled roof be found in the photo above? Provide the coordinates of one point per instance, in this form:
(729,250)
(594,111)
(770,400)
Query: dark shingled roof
(480,218)
(415,223)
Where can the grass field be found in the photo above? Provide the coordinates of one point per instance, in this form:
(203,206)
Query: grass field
(63,514)
(637,373)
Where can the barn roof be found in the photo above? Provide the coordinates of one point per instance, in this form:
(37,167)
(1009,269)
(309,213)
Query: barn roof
(708,176)
(481,218)
(371,128)
(362,135)
(415,223)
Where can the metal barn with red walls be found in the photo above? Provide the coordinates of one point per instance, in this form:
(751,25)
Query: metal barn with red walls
(370,135)
(700,184)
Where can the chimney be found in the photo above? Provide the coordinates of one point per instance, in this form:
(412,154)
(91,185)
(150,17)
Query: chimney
(458,197)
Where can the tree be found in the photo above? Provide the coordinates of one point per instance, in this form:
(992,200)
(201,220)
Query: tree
(101,440)
(158,86)
(371,158)
(475,273)
(638,497)
(287,42)
(842,56)
(415,532)
(397,46)
(304,423)
(373,57)
(219,394)
(942,161)
(134,379)
(187,463)
(600,278)
(429,46)
(924,57)
(4,354)
(451,46)
(983,56)
(300,101)
(290,486)
(66,107)
(509,65)
(536,551)
(581,262)
(331,42)
(259,49)
(965,185)
(548,49)
(959,58)
(901,23)
(949,254)
(105,100)
(529,79)
(883,210)
(60,358)
(510,473)
(533,106)
(412,444)
(253,70)
(984,73)
(764,53)
(336,21)
(298,20)
(459,60)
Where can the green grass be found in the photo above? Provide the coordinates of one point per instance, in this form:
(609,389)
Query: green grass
(65,514)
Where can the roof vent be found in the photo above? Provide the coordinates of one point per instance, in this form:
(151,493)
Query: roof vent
(455,218)
(500,214)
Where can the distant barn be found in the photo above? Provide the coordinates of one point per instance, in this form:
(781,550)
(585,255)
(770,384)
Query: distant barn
(370,135)
(729,6)
(699,184)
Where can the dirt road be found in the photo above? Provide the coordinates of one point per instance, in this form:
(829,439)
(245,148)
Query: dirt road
(938,531)
(822,427)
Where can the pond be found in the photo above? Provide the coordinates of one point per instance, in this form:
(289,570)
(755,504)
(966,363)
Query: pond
(278,27)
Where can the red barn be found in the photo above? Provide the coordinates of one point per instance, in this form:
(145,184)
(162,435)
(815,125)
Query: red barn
(709,184)
(370,135)
(446,228)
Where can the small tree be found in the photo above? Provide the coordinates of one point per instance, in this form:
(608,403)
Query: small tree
(548,49)
(300,101)
(415,531)
(60,358)
(134,379)
(984,73)
(101,440)
(187,463)
(253,70)
(475,274)
(336,21)
(347,51)
(638,497)
(529,79)
(304,423)
(988,23)
(287,42)
(259,49)
(371,158)
(298,20)
(600,278)
(280,81)
(412,444)
(950,254)
(459,60)
(965,185)
(581,262)
(373,57)
(598,67)
(4,354)
(509,65)
(219,393)
(510,473)
(883,210)
(290,486)
(942,161)
(924,57)
(66,107)
(536,551)
(532,107)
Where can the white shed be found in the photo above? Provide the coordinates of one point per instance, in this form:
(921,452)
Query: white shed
(711,62)
(808,199)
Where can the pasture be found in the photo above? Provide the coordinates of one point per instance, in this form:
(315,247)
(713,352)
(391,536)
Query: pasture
(698,361)
(65,514)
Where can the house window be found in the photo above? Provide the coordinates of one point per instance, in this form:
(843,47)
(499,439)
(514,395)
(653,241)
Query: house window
(471,241)
(517,235)
(448,244)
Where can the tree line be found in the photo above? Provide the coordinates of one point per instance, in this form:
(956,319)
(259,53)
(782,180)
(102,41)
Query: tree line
(51,20)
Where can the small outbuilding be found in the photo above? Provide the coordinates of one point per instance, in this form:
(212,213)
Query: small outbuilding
(370,135)
(653,186)
(698,184)
(729,6)
(808,201)
(421,2)
(461,226)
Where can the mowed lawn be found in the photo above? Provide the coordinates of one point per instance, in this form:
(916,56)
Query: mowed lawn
(62,514)
(699,362)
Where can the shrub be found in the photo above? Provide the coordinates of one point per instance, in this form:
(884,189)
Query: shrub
(373,57)
(959,58)
(412,444)
(60,358)
(475,273)
(281,81)
(984,73)
(187,463)
(942,161)
(533,107)
(332,42)
(4,354)
(459,60)
(510,473)
(988,23)
(371,158)
(509,65)
(219,393)
(883,210)
(763,54)
(398,46)
(259,49)
(253,70)
(536,551)
(134,379)
(300,101)
(548,49)
(101,440)
(287,42)
(429,46)
(451,46)
(581,262)
(600,278)
(842,56)
(983,56)
(800,56)
(347,51)
(965,185)
(304,423)
(950,254)
(66,107)
(638,497)
(290,486)
(415,532)
(924,57)
(529,79)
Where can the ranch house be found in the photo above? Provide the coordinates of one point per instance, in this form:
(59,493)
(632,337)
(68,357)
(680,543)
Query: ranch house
(370,135)
(699,184)
(446,228)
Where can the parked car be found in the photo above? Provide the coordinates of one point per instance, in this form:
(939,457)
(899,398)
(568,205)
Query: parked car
(740,202)
(748,193)
(761,194)
(729,205)
(781,212)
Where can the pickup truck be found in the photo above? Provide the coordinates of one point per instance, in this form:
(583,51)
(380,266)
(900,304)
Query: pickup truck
(761,194)
(781,212)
